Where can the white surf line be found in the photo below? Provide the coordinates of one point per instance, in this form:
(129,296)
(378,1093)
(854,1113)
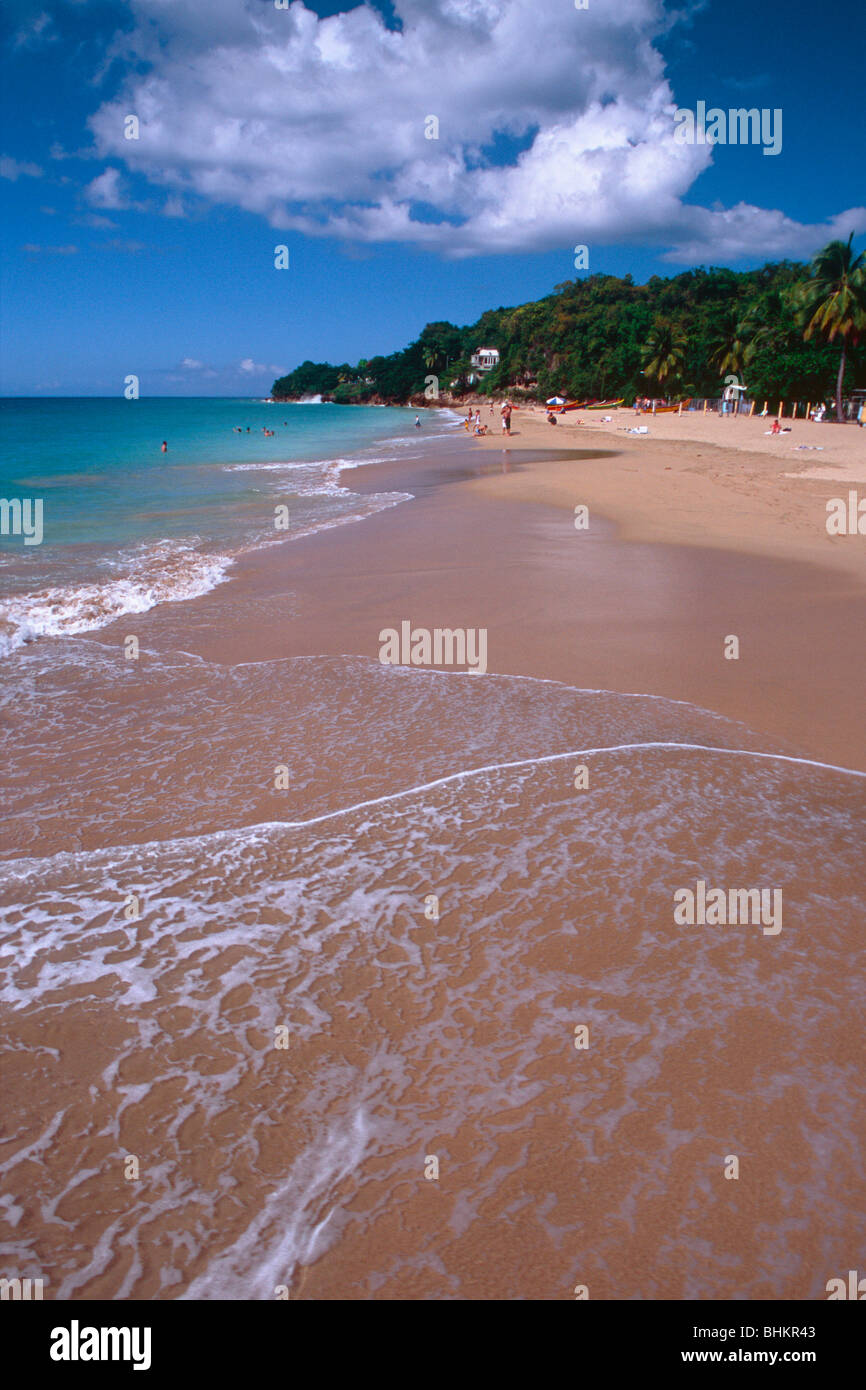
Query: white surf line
(22,865)
(553,758)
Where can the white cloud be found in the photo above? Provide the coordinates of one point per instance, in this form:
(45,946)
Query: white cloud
(106,191)
(318,125)
(192,370)
(109,191)
(15,169)
(774,234)
(252,368)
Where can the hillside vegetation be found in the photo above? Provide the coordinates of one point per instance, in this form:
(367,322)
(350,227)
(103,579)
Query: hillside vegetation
(601,337)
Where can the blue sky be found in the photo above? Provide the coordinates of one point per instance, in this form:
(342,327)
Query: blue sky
(306,127)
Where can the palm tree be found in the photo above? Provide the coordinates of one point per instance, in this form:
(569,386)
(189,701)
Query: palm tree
(764,324)
(664,352)
(727,349)
(730,357)
(432,356)
(832,302)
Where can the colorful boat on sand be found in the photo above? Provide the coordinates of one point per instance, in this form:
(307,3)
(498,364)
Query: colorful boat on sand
(590,405)
(667,409)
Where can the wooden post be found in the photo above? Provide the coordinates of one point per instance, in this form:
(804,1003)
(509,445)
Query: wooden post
(794,411)
(808,409)
(705,405)
(766,403)
(751,410)
(680,408)
(781,411)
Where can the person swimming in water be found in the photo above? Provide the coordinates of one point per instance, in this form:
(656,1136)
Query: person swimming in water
(163,448)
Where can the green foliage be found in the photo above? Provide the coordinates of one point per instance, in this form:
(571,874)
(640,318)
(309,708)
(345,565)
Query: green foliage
(664,354)
(603,336)
(310,379)
(832,302)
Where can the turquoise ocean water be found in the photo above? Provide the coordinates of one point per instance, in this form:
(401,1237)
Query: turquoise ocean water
(126,526)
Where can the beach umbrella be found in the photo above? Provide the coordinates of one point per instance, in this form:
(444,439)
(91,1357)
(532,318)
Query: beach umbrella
(556,400)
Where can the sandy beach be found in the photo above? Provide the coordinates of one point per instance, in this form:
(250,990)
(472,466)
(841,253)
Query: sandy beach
(703,480)
(432,864)
(685,545)
(300,904)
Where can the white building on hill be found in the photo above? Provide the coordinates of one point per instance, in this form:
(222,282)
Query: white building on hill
(485,359)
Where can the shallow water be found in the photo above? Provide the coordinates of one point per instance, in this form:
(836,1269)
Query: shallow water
(125,527)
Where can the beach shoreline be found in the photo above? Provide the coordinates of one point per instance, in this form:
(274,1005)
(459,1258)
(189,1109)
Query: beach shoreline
(700,481)
(645,609)
(426,881)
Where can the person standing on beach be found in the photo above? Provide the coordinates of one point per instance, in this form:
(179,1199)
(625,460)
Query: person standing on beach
(506,417)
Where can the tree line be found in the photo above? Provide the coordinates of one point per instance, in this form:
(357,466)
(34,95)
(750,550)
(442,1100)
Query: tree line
(787,331)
